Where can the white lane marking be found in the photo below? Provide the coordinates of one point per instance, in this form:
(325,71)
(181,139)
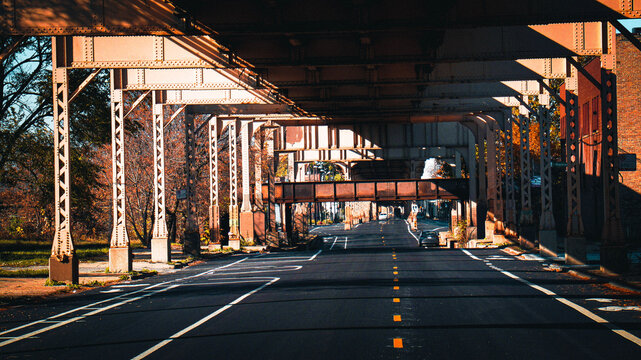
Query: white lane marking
(80,317)
(470,255)
(345,247)
(202,321)
(585,312)
(334,243)
(287,268)
(111,291)
(315,255)
(601,300)
(620,308)
(439,228)
(410,231)
(92,306)
(129,285)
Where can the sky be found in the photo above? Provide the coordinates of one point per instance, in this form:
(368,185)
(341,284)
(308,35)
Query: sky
(631,23)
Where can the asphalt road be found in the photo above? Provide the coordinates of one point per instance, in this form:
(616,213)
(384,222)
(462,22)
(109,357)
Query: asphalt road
(371,293)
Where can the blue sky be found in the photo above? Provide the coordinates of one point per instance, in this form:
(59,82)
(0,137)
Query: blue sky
(631,23)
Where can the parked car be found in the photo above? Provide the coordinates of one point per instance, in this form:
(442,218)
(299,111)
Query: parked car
(382,216)
(428,239)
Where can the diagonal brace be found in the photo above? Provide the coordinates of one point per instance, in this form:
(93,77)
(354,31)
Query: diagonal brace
(84,83)
(628,35)
(137,102)
(585,73)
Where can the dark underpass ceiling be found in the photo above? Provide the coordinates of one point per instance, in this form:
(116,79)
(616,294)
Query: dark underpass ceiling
(373,60)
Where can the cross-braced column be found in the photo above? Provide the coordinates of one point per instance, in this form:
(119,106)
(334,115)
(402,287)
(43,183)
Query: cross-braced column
(63,264)
(481,209)
(234,234)
(499,204)
(259,214)
(547,232)
(272,135)
(160,247)
(246,215)
(491,217)
(119,251)
(510,207)
(214,210)
(575,252)
(258,172)
(613,252)
(191,239)
(526,172)
(471,169)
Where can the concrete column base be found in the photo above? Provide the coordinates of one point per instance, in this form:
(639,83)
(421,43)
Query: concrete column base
(247,227)
(120,260)
(547,243)
(214,247)
(498,239)
(160,250)
(614,259)
(64,270)
(348,226)
(575,251)
(234,244)
(527,235)
(489,230)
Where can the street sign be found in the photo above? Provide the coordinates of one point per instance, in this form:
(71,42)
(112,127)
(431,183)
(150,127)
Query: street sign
(627,162)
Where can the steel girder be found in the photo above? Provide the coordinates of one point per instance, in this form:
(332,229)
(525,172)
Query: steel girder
(374,136)
(111,17)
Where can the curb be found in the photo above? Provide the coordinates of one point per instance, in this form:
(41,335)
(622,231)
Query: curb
(613,283)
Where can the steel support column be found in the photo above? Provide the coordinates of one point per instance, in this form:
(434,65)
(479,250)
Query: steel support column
(575,252)
(526,172)
(510,207)
(63,264)
(272,157)
(527,230)
(547,227)
(613,251)
(234,234)
(119,250)
(191,239)
(491,217)
(160,247)
(259,214)
(481,209)
(214,209)
(246,214)
(499,204)
(472,202)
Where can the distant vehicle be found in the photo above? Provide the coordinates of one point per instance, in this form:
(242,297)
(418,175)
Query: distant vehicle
(428,239)
(382,216)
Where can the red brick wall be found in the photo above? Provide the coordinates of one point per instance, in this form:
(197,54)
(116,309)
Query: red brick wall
(629,106)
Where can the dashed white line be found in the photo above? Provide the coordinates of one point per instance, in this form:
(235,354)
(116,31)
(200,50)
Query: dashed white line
(587,313)
(202,321)
(334,243)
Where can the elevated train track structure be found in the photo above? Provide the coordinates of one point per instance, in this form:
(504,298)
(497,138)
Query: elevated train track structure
(352,82)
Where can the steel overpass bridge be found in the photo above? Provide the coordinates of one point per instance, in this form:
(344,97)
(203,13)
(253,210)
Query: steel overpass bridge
(357,83)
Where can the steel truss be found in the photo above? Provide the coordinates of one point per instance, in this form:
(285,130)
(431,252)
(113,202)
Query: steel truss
(575,220)
(526,172)
(546,221)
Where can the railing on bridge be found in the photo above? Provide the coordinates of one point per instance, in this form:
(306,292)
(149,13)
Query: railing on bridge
(370,190)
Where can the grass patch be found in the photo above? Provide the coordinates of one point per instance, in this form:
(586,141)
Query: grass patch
(24,273)
(37,252)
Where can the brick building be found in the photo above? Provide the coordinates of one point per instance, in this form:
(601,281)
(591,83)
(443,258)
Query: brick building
(628,73)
